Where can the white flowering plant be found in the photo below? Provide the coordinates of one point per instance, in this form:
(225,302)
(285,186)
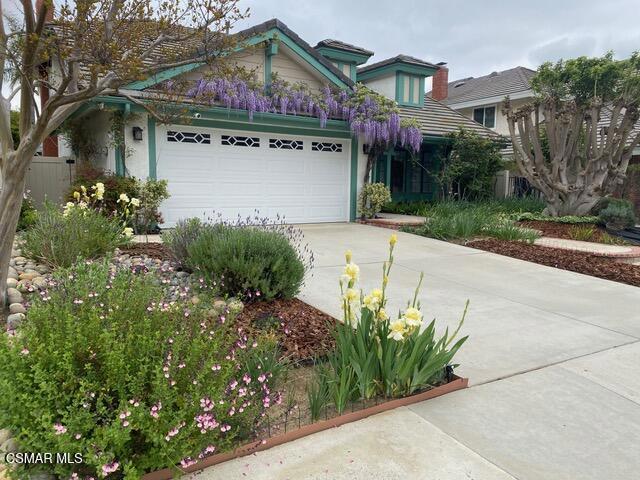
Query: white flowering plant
(93,198)
(383,355)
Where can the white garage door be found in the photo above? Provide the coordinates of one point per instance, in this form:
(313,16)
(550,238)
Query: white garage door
(305,179)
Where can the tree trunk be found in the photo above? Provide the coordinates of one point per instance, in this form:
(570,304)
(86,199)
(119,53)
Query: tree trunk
(577,203)
(11,195)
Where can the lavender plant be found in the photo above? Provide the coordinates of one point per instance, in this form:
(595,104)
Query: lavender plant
(370,115)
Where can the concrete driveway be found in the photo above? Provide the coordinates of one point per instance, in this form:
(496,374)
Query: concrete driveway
(553,358)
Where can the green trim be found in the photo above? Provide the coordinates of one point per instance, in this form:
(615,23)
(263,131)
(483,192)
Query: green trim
(271,34)
(151,138)
(396,67)
(162,76)
(270,50)
(119,162)
(341,55)
(400,90)
(354,72)
(353,192)
(388,155)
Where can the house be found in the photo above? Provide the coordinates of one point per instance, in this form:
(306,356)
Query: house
(232,161)
(481,98)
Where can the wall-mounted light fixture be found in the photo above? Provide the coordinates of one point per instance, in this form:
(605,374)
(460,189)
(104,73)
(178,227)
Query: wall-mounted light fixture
(137,133)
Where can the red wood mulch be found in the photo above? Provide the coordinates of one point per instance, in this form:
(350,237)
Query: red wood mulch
(580,262)
(153,250)
(305,332)
(563,230)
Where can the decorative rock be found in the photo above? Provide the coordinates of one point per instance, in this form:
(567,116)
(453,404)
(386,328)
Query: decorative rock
(42,269)
(39,282)
(235,306)
(17,308)
(23,286)
(4,435)
(195,300)
(219,304)
(14,320)
(20,260)
(9,445)
(42,476)
(29,275)
(14,296)
(12,283)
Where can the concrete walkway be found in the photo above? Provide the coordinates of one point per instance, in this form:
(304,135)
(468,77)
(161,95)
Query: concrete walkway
(553,357)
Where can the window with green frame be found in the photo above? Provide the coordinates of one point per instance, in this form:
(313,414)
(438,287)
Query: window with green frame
(409,89)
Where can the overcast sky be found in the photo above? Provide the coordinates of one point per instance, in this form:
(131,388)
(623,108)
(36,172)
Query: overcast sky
(475,37)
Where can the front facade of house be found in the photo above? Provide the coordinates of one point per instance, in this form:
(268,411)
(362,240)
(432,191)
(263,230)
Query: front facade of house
(219,160)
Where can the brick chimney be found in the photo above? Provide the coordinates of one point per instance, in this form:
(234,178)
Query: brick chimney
(440,83)
(40,5)
(50,144)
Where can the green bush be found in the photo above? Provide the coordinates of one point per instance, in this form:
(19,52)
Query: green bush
(105,368)
(152,194)
(60,239)
(606,201)
(582,233)
(506,230)
(28,213)
(372,198)
(618,216)
(181,237)
(247,261)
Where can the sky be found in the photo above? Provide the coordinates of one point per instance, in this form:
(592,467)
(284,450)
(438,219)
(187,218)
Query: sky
(474,37)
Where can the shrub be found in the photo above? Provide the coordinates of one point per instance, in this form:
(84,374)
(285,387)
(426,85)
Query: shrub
(372,198)
(59,239)
(28,213)
(603,203)
(618,216)
(152,194)
(181,237)
(114,186)
(105,368)
(376,355)
(247,261)
(506,230)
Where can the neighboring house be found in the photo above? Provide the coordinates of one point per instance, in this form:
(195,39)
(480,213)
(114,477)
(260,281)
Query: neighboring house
(221,160)
(481,98)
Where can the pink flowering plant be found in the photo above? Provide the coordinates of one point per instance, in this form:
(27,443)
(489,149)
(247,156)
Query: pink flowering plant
(105,366)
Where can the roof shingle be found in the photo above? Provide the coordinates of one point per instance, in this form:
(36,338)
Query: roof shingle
(496,84)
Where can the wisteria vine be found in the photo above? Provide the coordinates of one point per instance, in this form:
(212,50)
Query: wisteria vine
(369,114)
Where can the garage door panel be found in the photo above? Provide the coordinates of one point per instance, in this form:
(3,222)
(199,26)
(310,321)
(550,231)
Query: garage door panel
(302,185)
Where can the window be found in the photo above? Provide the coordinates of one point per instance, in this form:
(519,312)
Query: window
(326,147)
(188,137)
(485,116)
(236,141)
(285,144)
(409,89)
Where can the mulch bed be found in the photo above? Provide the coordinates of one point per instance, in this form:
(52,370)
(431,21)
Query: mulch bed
(580,262)
(304,331)
(563,230)
(153,250)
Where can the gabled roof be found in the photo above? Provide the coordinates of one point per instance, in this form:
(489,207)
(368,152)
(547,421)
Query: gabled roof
(398,59)
(338,45)
(271,29)
(496,84)
(436,119)
(274,23)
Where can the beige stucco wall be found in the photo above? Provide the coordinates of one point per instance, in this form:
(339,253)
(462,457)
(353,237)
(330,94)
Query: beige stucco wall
(385,85)
(501,121)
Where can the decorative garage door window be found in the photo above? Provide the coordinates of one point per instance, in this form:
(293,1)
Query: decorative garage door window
(285,144)
(189,137)
(326,147)
(236,141)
